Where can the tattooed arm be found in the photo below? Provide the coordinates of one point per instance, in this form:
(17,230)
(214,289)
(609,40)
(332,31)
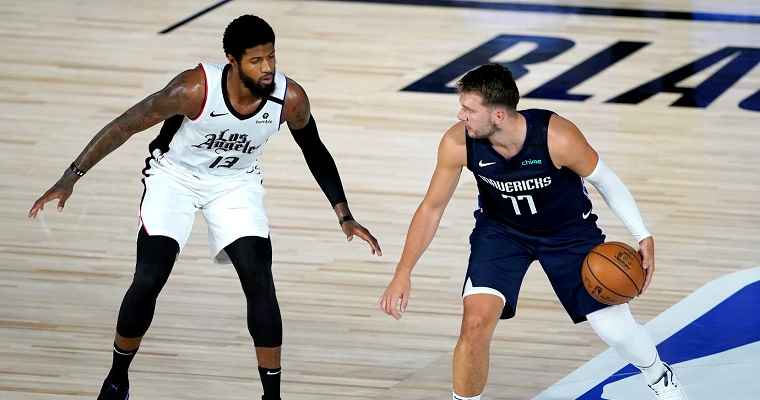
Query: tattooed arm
(183,95)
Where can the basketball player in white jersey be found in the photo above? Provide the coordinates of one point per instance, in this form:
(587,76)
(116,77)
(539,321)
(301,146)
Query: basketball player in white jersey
(217,119)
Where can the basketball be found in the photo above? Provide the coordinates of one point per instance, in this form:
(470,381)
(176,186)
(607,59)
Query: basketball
(612,273)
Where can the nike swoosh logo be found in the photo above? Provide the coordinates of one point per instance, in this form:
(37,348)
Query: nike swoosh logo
(585,215)
(482,164)
(273,373)
(217,115)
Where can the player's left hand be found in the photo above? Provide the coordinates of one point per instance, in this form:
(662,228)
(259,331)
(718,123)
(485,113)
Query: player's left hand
(646,249)
(352,228)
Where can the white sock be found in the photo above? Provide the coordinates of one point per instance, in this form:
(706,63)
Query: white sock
(616,327)
(653,372)
(458,397)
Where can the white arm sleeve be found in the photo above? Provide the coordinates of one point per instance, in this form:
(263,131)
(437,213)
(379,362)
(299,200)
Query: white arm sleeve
(619,199)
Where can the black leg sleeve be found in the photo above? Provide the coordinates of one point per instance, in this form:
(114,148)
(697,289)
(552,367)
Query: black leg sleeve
(155,259)
(252,258)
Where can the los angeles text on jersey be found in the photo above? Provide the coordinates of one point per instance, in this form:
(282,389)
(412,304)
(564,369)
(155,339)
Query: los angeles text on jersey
(233,141)
(518,186)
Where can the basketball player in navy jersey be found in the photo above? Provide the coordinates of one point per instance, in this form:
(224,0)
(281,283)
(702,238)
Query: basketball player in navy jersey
(217,119)
(530,166)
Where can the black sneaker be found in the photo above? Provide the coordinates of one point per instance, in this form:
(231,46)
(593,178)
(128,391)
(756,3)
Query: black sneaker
(114,391)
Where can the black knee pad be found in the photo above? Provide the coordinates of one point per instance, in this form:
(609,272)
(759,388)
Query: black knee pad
(252,258)
(155,259)
(156,249)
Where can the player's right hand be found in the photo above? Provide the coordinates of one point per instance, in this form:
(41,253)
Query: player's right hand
(646,250)
(396,296)
(58,191)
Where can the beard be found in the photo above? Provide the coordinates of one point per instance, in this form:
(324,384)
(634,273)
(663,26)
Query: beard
(256,88)
(484,134)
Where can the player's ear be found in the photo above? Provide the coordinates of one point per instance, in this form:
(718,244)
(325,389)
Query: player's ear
(499,114)
(232,60)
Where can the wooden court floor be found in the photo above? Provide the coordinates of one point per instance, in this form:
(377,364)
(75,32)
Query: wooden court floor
(67,68)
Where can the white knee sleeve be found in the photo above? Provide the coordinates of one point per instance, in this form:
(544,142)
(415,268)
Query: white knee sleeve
(616,327)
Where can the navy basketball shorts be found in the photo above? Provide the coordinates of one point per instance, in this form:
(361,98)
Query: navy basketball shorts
(500,256)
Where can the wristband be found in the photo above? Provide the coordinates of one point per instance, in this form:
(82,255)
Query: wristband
(73,168)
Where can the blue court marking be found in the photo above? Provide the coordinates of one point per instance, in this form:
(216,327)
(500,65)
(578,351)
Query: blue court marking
(575,10)
(732,323)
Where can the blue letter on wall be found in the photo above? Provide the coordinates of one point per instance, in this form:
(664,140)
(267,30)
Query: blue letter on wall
(547,47)
(559,87)
(743,60)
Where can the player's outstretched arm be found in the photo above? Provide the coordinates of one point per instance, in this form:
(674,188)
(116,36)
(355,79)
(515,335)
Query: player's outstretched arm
(452,156)
(569,148)
(183,95)
(297,113)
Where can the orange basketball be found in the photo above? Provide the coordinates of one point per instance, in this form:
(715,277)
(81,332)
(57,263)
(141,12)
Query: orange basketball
(612,273)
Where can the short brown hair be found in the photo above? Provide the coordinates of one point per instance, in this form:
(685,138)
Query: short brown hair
(494,82)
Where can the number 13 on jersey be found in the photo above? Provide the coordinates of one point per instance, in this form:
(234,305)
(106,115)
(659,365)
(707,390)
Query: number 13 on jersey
(228,162)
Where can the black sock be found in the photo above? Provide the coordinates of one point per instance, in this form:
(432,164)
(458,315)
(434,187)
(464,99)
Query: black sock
(270,380)
(120,365)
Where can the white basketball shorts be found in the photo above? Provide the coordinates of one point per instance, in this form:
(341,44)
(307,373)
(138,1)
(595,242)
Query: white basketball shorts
(233,207)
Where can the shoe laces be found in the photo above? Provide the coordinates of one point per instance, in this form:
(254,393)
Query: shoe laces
(666,388)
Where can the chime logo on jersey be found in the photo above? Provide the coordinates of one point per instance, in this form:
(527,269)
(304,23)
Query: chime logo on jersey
(531,162)
(223,142)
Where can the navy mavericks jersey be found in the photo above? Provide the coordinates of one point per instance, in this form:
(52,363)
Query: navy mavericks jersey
(527,192)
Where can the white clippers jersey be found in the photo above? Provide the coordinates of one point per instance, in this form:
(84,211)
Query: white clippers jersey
(219,142)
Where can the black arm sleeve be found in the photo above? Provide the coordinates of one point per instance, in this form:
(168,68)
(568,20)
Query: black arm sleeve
(320,162)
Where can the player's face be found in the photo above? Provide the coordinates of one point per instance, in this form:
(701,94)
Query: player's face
(476,116)
(256,69)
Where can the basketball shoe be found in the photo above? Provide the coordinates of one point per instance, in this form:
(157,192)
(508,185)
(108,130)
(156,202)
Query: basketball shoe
(114,391)
(668,387)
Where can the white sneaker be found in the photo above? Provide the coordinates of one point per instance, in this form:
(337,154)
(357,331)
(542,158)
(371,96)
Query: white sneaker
(668,387)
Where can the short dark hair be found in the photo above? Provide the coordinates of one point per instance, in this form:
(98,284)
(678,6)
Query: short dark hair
(244,32)
(494,82)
